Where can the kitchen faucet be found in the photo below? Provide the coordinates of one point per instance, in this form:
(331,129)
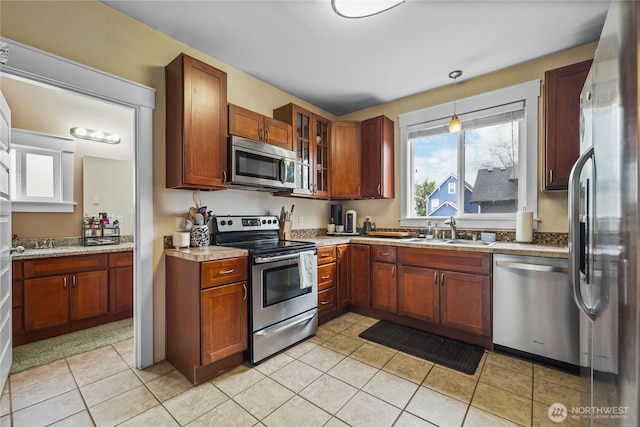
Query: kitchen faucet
(452,223)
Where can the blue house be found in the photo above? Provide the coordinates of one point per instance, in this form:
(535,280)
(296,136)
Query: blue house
(443,201)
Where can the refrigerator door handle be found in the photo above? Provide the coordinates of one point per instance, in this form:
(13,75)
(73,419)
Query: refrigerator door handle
(574,232)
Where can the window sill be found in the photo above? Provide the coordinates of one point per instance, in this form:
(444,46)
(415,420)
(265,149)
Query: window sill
(28,206)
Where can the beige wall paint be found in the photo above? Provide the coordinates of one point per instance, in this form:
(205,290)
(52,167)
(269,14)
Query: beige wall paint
(95,35)
(552,206)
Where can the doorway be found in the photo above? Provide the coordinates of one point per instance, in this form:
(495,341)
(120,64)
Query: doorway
(41,67)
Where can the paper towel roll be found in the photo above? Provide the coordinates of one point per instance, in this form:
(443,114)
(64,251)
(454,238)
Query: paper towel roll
(524,226)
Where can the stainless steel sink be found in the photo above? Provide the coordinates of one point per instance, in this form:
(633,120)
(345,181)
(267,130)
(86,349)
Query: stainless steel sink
(463,242)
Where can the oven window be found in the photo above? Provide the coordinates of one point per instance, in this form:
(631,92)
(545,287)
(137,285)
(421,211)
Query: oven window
(256,166)
(281,284)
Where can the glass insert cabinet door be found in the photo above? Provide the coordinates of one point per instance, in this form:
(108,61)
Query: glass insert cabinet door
(304,177)
(322,132)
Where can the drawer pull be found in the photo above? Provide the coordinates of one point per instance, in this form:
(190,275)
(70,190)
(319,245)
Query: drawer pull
(324,302)
(325,254)
(325,277)
(227,271)
(384,253)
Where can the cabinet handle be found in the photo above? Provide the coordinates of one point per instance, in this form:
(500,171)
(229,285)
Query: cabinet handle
(358,190)
(226,271)
(442,279)
(379,189)
(260,133)
(224,176)
(339,252)
(325,277)
(435,278)
(393,271)
(550,176)
(266,138)
(73,281)
(64,283)
(324,302)
(244,286)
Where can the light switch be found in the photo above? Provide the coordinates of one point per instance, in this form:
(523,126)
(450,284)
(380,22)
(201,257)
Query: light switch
(96,200)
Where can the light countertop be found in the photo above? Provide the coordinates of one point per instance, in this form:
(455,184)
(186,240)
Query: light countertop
(71,250)
(210,253)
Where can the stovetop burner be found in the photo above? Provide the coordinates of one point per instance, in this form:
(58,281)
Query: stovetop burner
(257,234)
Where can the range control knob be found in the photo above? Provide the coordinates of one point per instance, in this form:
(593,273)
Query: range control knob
(264,221)
(223,222)
(230,222)
(275,221)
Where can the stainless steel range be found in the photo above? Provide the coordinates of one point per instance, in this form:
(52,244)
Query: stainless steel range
(283,282)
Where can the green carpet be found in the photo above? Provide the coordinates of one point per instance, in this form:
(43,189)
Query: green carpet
(39,353)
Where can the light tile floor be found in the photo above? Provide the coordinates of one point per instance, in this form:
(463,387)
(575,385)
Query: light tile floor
(332,379)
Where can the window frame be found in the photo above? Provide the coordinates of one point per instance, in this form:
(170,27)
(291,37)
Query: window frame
(528,94)
(24,142)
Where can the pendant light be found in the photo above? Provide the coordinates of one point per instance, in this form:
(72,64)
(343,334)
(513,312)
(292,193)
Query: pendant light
(455,125)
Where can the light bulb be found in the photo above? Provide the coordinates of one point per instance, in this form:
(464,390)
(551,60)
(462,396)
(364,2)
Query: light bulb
(455,125)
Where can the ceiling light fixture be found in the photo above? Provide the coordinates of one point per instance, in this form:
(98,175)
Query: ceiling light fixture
(362,8)
(95,135)
(455,125)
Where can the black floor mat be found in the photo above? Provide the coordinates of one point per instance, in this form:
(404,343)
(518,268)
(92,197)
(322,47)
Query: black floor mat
(443,351)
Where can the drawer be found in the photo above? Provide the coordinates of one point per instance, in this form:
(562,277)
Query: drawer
(466,262)
(326,254)
(383,253)
(120,259)
(223,271)
(326,299)
(63,265)
(326,276)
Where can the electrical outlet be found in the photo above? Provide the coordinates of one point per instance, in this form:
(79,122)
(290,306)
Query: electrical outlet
(300,220)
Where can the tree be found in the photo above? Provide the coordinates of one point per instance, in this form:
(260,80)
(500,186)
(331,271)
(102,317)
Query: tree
(421,192)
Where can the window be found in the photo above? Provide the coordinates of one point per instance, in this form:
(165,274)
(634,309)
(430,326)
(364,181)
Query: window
(42,172)
(492,160)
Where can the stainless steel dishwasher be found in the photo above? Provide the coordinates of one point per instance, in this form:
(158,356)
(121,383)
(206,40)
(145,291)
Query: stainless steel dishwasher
(533,310)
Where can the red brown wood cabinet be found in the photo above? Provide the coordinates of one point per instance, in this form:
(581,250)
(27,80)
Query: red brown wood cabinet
(377,158)
(384,295)
(196,125)
(562,88)
(327,297)
(345,160)
(360,275)
(255,126)
(206,315)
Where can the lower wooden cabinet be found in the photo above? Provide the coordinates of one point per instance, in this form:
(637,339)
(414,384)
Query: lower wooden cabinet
(224,321)
(418,293)
(359,275)
(58,295)
(206,315)
(465,302)
(342,276)
(383,287)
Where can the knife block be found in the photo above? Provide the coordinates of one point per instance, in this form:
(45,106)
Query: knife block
(285,230)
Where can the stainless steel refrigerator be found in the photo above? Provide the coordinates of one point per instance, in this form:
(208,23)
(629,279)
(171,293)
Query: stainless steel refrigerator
(603,227)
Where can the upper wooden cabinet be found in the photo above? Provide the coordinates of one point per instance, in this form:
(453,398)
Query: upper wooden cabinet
(562,88)
(255,126)
(196,138)
(345,160)
(377,158)
(311,144)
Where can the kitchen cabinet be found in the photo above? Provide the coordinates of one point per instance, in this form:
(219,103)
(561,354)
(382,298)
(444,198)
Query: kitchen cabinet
(342,276)
(58,295)
(562,87)
(450,288)
(345,160)
(383,278)
(311,144)
(255,126)
(196,125)
(326,279)
(63,289)
(206,316)
(377,158)
(360,275)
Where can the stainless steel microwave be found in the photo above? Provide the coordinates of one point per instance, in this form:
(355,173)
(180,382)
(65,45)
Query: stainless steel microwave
(259,166)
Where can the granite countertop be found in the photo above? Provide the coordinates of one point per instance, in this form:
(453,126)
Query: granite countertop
(70,250)
(210,253)
(510,248)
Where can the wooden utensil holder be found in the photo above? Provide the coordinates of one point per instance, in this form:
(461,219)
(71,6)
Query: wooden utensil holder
(285,230)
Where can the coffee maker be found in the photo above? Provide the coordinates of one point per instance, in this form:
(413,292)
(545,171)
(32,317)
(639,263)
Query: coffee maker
(336,214)
(351,221)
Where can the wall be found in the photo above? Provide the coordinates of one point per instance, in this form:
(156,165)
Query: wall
(552,206)
(95,35)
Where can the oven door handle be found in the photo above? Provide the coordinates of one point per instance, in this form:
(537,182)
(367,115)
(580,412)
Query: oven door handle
(271,331)
(264,260)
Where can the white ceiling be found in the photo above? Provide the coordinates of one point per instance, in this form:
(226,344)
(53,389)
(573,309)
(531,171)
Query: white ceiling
(344,65)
